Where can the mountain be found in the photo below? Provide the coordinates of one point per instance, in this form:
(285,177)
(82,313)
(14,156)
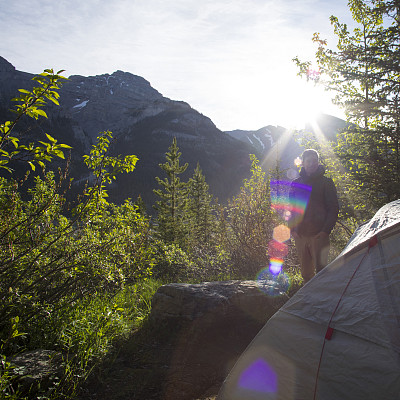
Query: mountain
(273,143)
(262,139)
(144,123)
(277,144)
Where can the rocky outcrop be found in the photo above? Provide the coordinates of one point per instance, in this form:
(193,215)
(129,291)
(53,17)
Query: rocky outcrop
(212,324)
(194,335)
(37,369)
(188,302)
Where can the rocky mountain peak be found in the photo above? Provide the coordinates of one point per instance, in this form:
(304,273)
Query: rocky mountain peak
(120,84)
(109,102)
(5,66)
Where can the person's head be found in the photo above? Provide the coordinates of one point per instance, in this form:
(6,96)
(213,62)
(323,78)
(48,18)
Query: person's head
(310,159)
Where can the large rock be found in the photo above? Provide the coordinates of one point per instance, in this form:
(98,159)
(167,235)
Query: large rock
(211,324)
(190,301)
(192,339)
(37,369)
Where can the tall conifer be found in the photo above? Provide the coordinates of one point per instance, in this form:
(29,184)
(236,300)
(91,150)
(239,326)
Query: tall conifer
(200,210)
(364,73)
(173,198)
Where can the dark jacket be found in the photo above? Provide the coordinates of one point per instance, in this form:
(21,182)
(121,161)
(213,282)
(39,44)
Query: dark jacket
(321,204)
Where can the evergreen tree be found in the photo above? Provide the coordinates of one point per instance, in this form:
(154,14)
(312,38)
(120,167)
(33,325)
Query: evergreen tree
(277,173)
(171,216)
(200,210)
(140,206)
(364,73)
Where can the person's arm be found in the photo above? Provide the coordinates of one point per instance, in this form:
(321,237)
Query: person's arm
(292,221)
(332,206)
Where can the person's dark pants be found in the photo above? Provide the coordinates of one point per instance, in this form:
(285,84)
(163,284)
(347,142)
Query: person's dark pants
(313,254)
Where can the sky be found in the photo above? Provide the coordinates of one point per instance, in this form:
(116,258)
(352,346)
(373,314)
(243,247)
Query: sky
(231,60)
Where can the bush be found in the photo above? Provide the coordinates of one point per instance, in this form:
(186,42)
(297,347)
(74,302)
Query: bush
(172,263)
(65,281)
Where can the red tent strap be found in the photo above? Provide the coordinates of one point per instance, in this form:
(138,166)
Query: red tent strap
(329,331)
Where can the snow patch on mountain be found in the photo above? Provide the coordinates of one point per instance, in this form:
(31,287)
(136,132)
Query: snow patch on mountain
(260,141)
(81,105)
(271,140)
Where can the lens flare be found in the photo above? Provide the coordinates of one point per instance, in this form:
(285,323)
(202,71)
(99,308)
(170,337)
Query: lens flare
(275,266)
(259,377)
(277,249)
(292,174)
(281,233)
(289,200)
(313,74)
(272,284)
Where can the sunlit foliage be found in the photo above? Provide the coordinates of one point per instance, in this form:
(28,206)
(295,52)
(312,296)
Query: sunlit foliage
(53,265)
(363,73)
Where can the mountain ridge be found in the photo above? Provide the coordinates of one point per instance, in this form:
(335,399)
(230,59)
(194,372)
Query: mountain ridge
(144,123)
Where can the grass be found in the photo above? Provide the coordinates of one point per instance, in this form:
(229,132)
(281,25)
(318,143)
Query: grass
(94,329)
(84,333)
(90,331)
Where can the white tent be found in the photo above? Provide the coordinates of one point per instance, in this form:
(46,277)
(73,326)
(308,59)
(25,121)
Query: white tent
(339,336)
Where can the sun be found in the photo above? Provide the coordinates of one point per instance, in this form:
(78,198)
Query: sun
(308,101)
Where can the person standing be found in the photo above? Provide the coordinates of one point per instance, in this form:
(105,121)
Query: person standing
(311,229)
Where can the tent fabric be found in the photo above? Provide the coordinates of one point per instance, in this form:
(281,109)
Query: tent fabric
(357,299)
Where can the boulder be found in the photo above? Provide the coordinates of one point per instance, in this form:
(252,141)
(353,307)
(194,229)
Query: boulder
(37,369)
(193,337)
(188,302)
(210,324)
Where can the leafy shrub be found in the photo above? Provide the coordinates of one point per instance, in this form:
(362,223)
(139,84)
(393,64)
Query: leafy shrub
(63,279)
(172,263)
(249,224)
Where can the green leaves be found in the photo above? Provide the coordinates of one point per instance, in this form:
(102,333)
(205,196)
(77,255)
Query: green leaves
(51,265)
(250,220)
(30,103)
(363,72)
(106,167)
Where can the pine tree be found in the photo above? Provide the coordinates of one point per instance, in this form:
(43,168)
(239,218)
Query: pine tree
(364,73)
(171,218)
(141,206)
(200,210)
